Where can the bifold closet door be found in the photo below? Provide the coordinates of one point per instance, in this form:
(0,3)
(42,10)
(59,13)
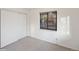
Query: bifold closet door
(13,26)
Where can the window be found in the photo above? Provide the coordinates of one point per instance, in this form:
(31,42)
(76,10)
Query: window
(48,20)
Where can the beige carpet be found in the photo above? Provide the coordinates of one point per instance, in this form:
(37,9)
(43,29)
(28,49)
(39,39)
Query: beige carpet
(32,44)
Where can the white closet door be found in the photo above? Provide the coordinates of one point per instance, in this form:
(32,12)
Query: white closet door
(13,27)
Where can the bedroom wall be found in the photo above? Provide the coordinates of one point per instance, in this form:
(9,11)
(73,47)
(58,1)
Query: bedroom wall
(13,25)
(47,35)
(73,42)
(67,38)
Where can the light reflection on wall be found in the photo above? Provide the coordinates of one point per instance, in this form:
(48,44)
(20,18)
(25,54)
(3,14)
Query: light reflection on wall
(64,27)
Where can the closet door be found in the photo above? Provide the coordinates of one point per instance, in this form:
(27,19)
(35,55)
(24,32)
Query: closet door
(13,26)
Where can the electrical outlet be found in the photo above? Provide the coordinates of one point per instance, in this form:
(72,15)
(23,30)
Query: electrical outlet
(56,39)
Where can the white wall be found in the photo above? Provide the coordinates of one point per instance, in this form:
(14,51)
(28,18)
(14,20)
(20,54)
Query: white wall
(47,35)
(35,26)
(74,28)
(13,26)
(71,40)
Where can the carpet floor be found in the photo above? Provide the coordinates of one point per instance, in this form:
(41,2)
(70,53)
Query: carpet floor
(32,44)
